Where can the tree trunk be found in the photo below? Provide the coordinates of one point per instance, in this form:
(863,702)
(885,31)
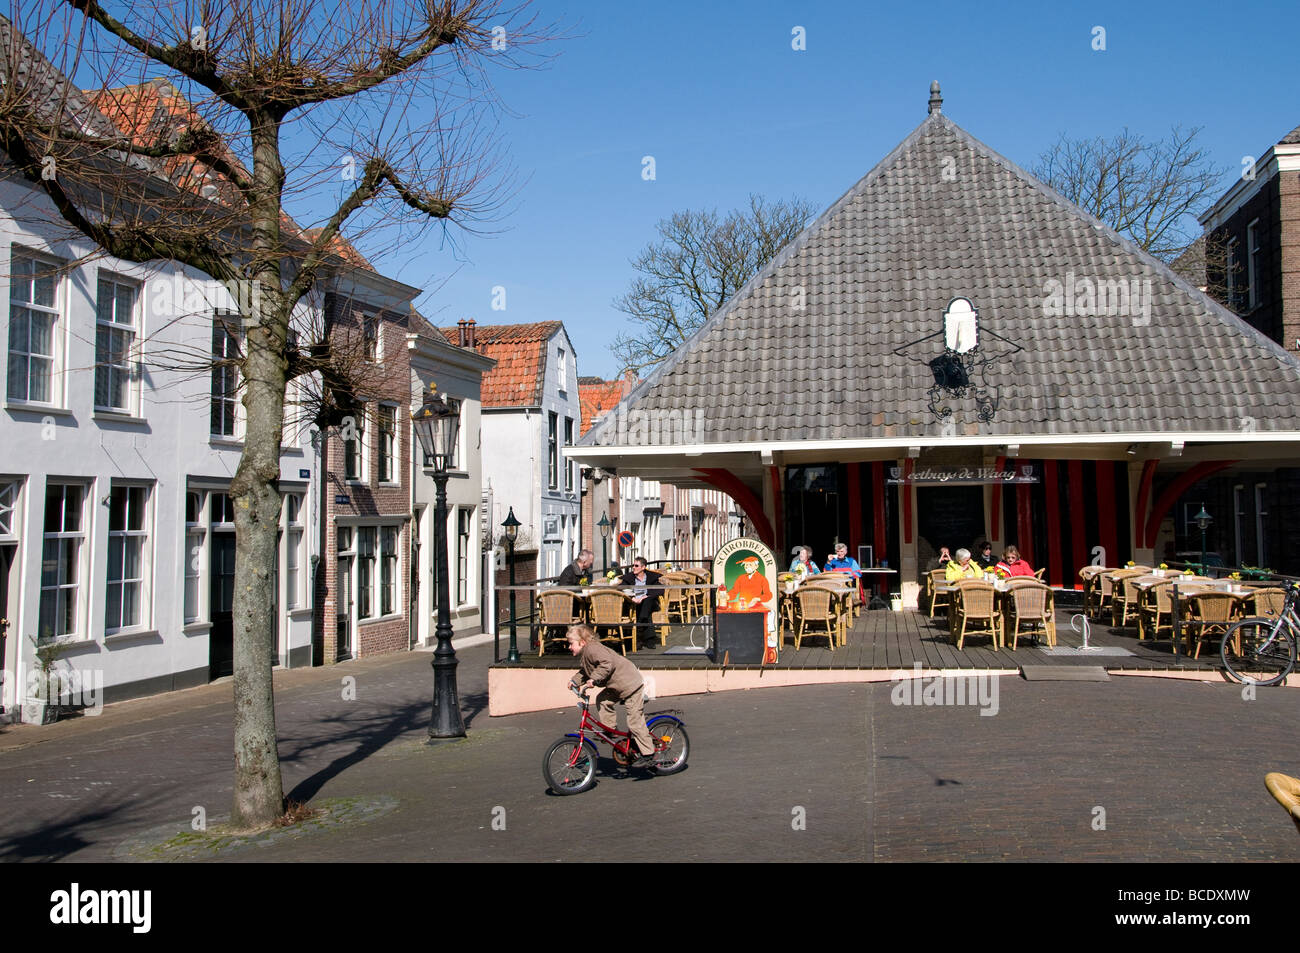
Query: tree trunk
(259,791)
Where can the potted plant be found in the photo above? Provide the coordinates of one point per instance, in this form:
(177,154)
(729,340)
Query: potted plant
(41,709)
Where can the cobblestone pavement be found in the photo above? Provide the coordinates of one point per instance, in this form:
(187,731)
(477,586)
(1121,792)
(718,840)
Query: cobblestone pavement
(1132,769)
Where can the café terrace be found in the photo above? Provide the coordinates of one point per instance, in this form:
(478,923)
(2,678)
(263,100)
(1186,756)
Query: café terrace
(954,352)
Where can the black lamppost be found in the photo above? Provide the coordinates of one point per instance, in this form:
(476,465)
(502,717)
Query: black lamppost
(604,525)
(511,526)
(1203,520)
(437,426)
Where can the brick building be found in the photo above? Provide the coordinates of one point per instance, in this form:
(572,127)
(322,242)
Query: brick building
(362,580)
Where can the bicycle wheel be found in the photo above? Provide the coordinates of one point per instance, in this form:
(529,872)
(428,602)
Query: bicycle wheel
(1249,655)
(569,766)
(672,746)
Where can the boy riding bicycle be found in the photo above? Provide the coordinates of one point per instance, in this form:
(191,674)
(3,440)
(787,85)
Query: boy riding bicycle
(619,680)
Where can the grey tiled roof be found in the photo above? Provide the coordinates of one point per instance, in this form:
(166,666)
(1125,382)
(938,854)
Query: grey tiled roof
(1291,138)
(945,216)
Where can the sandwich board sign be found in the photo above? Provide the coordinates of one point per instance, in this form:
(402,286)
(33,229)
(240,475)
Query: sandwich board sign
(746,622)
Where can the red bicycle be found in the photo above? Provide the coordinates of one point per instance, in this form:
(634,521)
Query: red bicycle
(570,764)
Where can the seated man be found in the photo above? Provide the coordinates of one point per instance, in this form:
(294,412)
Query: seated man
(1013,565)
(985,557)
(578,572)
(943,559)
(963,567)
(645,593)
(841,560)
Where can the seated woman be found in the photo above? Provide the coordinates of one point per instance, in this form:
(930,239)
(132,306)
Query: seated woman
(802,565)
(1013,565)
(841,561)
(963,567)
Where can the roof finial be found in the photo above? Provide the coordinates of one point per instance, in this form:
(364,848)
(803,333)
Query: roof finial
(936,101)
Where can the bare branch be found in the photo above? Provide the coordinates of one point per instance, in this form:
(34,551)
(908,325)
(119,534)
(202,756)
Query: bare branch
(696,266)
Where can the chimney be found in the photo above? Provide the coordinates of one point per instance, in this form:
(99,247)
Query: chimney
(460,332)
(469,333)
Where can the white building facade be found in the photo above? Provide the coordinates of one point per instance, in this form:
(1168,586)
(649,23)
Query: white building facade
(116,527)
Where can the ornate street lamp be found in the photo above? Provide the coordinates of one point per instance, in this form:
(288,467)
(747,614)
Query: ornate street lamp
(604,525)
(1203,520)
(511,526)
(437,426)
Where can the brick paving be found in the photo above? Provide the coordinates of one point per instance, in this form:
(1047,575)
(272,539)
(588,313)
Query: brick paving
(1177,767)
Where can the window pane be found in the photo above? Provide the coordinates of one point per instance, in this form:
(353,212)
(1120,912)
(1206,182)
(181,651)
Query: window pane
(43,287)
(131,604)
(50,563)
(72,496)
(191,598)
(135,510)
(104,301)
(17,376)
(19,326)
(42,331)
(125,305)
(132,548)
(53,508)
(117,509)
(40,383)
(113,610)
(115,559)
(67,624)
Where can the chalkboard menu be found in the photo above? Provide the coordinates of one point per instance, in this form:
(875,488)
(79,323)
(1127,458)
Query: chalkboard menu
(951,516)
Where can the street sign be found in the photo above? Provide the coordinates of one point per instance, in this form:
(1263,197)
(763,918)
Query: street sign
(626,539)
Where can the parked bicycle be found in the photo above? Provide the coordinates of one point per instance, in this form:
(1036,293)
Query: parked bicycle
(1263,650)
(570,764)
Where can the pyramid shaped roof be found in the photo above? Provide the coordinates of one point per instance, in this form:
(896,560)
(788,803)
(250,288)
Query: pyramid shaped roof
(832,339)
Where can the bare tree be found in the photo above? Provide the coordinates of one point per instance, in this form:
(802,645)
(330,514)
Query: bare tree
(1148,191)
(699,261)
(360,114)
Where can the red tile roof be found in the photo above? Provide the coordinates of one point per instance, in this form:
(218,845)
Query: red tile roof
(343,248)
(597,398)
(520,352)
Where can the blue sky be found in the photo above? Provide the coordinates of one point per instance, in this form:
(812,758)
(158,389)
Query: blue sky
(715,93)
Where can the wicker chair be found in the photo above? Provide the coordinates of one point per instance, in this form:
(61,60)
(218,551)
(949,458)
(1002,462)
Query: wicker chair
(678,603)
(613,616)
(1032,605)
(1210,614)
(1105,592)
(846,586)
(1124,595)
(1015,582)
(1157,604)
(817,606)
(1038,573)
(1286,790)
(938,600)
(1267,602)
(556,611)
(977,609)
(1091,576)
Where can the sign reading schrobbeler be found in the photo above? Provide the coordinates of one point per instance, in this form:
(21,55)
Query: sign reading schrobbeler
(744,571)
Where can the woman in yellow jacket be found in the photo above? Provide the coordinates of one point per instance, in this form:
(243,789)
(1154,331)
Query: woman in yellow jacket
(962,567)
